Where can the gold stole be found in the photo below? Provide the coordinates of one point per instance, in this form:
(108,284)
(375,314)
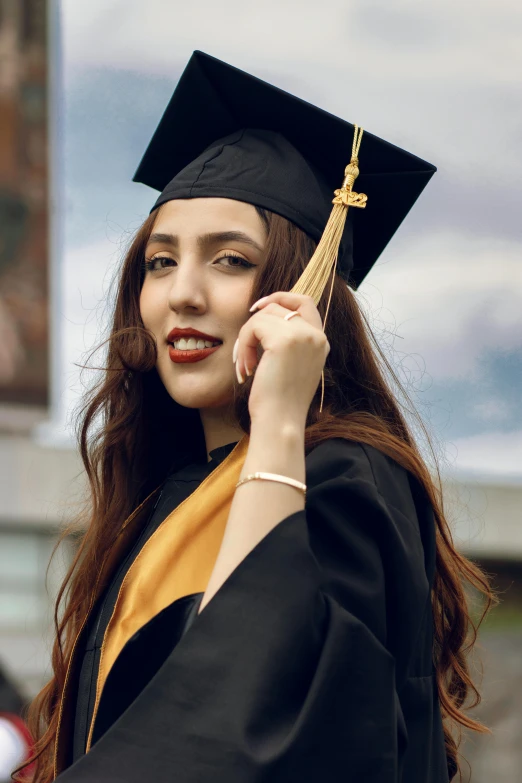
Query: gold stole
(176,561)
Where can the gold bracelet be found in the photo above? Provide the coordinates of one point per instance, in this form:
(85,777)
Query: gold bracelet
(274,477)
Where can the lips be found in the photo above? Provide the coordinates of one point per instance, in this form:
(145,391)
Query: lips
(195,355)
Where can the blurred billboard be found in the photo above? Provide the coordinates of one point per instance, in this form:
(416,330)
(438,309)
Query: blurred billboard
(24,205)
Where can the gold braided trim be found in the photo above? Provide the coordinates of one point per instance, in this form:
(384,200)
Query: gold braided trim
(315,276)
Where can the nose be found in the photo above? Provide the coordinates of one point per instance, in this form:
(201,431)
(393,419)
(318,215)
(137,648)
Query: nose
(187,289)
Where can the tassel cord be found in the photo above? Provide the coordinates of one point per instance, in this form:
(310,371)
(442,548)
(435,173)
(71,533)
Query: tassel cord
(321,266)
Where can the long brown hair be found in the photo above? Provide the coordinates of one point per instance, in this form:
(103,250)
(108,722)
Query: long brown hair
(130,430)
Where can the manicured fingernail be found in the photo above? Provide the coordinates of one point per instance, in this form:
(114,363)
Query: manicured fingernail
(256,304)
(239,376)
(234,352)
(248,372)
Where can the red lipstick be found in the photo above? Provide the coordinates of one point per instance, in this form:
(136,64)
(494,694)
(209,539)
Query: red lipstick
(181,357)
(196,355)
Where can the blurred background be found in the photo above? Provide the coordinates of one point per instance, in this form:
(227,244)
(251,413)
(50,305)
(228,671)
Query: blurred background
(82,87)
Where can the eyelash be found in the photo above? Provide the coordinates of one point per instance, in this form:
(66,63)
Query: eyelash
(149,263)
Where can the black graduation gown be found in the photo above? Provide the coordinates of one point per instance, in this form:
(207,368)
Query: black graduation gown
(153,642)
(312,663)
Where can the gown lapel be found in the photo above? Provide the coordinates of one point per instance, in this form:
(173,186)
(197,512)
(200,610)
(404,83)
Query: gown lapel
(130,529)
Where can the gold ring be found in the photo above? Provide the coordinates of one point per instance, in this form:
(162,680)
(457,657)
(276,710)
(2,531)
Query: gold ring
(291,315)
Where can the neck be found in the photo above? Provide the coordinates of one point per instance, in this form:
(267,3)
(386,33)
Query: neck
(219,428)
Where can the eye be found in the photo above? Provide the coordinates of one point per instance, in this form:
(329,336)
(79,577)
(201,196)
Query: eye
(230,256)
(157,263)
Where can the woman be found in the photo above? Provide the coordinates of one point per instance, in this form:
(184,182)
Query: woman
(308,623)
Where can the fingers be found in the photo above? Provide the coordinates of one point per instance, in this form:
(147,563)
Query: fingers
(248,342)
(277,304)
(272,308)
(304,304)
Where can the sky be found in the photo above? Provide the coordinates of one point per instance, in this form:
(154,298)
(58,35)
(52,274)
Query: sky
(441,79)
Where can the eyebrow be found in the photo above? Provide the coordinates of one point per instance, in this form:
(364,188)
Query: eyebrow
(205,240)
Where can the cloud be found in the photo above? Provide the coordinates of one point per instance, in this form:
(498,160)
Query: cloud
(445,39)
(448,298)
(496,455)
(485,400)
(88,273)
(106,132)
(495,411)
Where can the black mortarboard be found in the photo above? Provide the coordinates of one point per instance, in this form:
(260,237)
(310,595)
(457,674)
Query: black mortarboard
(226,133)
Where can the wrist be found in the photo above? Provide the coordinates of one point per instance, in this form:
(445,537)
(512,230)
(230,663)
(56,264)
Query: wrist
(276,446)
(286,430)
(279,419)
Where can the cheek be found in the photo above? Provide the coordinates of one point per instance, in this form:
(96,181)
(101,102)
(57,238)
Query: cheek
(235,303)
(148,307)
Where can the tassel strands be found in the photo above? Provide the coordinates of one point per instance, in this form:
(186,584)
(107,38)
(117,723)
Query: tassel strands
(315,276)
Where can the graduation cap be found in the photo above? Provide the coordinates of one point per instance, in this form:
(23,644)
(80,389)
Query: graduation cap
(226,133)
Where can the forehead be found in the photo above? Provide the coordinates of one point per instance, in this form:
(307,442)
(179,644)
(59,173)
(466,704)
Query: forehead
(203,215)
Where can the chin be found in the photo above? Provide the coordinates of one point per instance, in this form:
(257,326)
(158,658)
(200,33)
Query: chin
(199,395)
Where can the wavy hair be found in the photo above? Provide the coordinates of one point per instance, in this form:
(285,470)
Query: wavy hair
(129,427)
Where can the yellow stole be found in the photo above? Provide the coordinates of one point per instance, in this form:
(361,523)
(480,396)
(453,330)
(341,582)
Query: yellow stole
(176,561)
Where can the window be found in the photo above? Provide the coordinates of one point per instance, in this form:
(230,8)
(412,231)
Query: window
(27,593)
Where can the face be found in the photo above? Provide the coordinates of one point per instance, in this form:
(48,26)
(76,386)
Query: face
(201,262)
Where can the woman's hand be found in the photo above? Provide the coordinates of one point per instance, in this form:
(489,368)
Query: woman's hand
(294,353)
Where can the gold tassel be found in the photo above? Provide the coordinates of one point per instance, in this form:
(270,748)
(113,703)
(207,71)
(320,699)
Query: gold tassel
(314,278)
